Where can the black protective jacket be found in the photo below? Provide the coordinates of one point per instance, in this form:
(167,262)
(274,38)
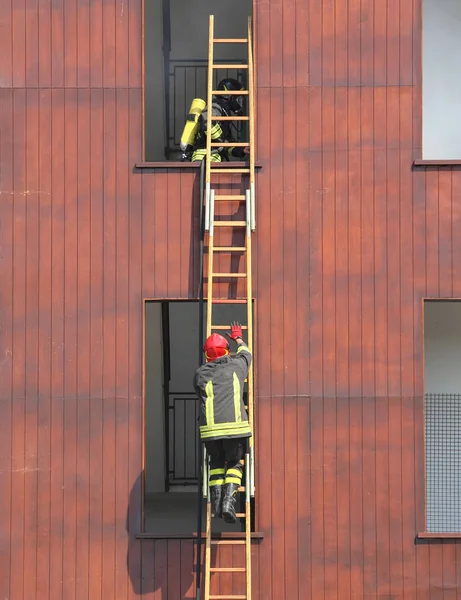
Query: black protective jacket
(219,385)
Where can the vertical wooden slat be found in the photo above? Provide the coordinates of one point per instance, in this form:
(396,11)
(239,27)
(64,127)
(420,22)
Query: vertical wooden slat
(262,357)
(134,42)
(341,40)
(315,44)
(18,349)
(83,252)
(45,49)
(330,499)
(57,337)
(315,251)
(152,553)
(157,238)
(342,206)
(173,249)
(122,489)
(392,43)
(109,345)
(57,44)
(431,233)
(317,498)
(122,65)
(290,40)
(406,27)
(70,500)
(301,16)
(276,44)
(83,44)
(367,43)
(352,473)
(354,54)
(290,305)
(30,197)
(448,549)
(71,43)
(380,51)
(18,48)
(445,246)
(327,33)
(7,301)
(6,45)
(96,40)
(302,242)
(109,54)
(96,507)
(135,367)
(303,501)
(357,496)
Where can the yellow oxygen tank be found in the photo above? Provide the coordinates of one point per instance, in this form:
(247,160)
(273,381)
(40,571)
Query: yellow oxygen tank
(190,128)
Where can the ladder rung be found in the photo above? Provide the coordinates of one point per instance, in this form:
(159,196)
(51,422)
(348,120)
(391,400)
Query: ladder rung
(229,275)
(229,66)
(230,40)
(240,515)
(229,93)
(228,542)
(229,144)
(241,488)
(228,569)
(227,301)
(224,327)
(235,197)
(229,223)
(217,118)
(230,170)
(229,249)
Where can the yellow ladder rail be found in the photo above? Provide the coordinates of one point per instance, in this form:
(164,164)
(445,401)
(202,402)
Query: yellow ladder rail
(225,223)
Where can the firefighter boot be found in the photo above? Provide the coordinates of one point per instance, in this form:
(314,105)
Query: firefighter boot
(216,500)
(228,503)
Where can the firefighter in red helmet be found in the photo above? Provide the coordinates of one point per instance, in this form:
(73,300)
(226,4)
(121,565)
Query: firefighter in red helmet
(224,423)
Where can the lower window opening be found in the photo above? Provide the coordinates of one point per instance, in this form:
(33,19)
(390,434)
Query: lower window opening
(171,414)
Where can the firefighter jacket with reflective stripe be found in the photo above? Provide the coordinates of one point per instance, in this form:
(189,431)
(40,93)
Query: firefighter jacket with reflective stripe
(219,385)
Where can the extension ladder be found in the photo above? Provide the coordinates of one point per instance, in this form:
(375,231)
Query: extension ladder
(211,198)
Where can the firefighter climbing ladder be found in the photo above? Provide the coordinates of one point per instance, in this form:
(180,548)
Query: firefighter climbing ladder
(212,200)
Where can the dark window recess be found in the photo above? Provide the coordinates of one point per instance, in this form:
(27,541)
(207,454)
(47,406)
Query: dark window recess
(442,414)
(171,411)
(176,66)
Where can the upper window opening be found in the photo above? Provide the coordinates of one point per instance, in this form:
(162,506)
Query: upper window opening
(176,64)
(441,81)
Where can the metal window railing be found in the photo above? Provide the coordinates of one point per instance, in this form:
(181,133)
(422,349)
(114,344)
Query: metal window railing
(188,80)
(443,462)
(183,411)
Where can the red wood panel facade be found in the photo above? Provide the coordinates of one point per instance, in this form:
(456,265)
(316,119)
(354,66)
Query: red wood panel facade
(349,240)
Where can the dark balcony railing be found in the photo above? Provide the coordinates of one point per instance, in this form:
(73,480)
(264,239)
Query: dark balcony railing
(183,411)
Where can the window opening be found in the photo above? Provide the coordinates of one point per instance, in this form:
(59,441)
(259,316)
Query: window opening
(441,49)
(171,413)
(176,63)
(442,414)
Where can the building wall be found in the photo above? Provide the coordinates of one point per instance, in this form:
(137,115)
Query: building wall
(349,240)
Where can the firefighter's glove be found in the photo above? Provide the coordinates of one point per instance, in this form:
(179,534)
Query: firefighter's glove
(236,331)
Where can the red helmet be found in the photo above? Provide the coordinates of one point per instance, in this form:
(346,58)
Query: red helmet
(215,346)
